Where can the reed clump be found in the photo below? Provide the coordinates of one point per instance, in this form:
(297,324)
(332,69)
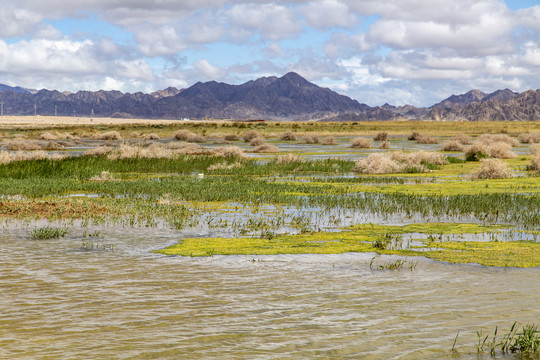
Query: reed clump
(288,136)
(361,143)
(104,176)
(492,169)
(230,152)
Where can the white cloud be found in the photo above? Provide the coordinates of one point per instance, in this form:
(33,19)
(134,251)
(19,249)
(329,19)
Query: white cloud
(205,71)
(328,13)
(270,20)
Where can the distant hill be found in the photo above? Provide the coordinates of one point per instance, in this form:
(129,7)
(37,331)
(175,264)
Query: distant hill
(290,97)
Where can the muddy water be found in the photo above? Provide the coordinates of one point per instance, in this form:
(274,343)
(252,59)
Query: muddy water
(58,301)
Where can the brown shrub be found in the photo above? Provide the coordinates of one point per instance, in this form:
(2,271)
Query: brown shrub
(256,141)
(493,138)
(426,139)
(231,137)
(535,162)
(452,145)
(250,135)
(492,169)
(385,145)
(186,135)
(311,139)
(463,139)
(500,150)
(288,136)
(266,148)
(151,137)
(415,135)
(377,164)
(361,143)
(382,136)
(328,140)
(529,138)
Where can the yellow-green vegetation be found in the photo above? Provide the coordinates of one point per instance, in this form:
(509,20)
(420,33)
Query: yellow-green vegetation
(364,238)
(145,174)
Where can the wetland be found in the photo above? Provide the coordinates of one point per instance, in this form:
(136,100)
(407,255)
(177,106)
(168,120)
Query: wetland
(224,239)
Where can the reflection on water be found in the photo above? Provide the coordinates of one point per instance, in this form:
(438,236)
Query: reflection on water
(58,301)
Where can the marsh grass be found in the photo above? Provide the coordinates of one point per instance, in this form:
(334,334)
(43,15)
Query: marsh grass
(525,343)
(361,143)
(48,232)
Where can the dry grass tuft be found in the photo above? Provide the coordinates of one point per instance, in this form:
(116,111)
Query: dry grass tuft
(288,136)
(256,141)
(529,138)
(463,139)
(57,136)
(151,137)
(22,145)
(382,136)
(288,159)
(230,152)
(426,139)
(266,148)
(225,166)
(385,145)
(311,139)
(415,135)
(250,135)
(377,164)
(231,137)
(328,140)
(361,143)
(452,145)
(7,157)
(497,138)
(99,151)
(110,135)
(398,161)
(492,169)
(186,135)
(481,150)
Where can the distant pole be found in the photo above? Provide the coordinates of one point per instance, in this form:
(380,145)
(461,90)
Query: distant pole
(73,113)
(92,112)
(55,110)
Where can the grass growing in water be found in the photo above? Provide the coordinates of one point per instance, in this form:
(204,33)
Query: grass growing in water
(48,232)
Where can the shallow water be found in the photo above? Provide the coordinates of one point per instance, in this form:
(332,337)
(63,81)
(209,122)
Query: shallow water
(58,301)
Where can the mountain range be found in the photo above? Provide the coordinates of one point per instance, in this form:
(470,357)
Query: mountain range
(290,97)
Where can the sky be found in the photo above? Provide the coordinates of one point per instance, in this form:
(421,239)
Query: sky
(416,52)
